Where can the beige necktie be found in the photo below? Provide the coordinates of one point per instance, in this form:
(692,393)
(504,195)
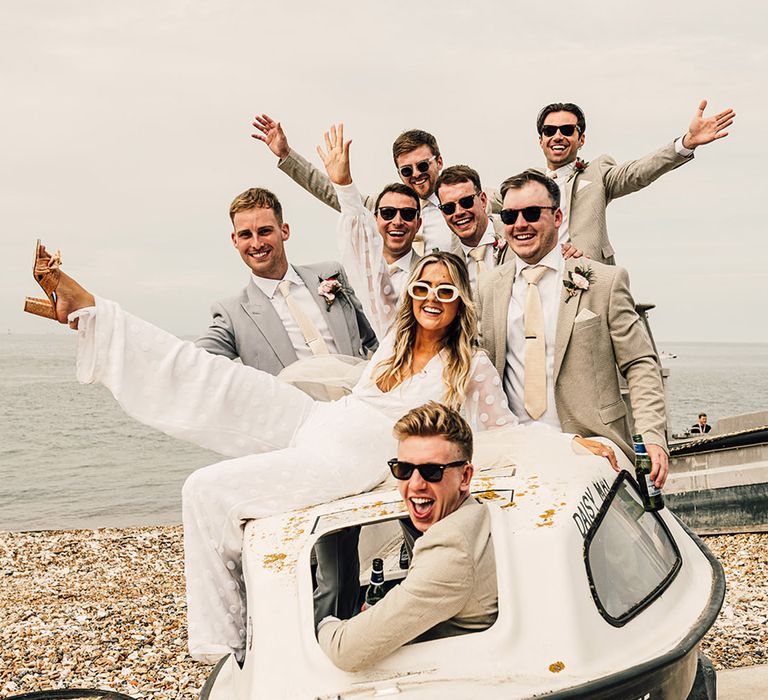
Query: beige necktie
(308,329)
(478,255)
(394,268)
(535,379)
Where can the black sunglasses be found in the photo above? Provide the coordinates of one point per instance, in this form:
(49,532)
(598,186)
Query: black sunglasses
(530,214)
(422,166)
(429,472)
(466,203)
(565,129)
(406,213)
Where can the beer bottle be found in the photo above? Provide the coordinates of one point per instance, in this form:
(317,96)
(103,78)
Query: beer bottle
(375,591)
(651,494)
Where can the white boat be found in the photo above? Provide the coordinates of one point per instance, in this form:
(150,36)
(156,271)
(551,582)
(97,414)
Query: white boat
(597,598)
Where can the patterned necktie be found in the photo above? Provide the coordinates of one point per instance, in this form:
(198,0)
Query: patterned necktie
(535,377)
(308,329)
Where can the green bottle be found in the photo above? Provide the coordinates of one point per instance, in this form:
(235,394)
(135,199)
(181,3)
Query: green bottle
(375,591)
(651,494)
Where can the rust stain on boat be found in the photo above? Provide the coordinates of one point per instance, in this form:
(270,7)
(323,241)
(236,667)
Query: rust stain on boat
(556,667)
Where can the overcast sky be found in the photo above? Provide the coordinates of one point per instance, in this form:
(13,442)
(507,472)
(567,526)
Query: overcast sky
(126,134)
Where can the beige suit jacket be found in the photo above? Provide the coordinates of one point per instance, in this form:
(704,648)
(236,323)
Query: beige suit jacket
(597,331)
(450,589)
(591,189)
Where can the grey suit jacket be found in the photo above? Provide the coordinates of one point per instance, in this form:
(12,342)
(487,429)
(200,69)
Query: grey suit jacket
(591,189)
(247,325)
(597,331)
(450,589)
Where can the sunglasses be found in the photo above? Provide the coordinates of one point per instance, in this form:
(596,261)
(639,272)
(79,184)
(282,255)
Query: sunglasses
(466,203)
(422,166)
(565,129)
(406,213)
(530,214)
(443,292)
(429,472)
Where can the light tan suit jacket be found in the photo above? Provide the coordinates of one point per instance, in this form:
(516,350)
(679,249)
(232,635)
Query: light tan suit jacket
(590,190)
(597,331)
(450,589)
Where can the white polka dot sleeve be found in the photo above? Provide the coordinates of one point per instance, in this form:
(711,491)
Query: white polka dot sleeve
(486,404)
(362,254)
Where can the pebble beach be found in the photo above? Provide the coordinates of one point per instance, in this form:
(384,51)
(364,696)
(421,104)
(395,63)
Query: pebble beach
(105,609)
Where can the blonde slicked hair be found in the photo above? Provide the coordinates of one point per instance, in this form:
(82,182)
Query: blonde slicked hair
(256,197)
(458,343)
(436,419)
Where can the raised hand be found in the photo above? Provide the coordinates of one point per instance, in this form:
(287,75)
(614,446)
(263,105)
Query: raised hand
(272,134)
(336,160)
(705,130)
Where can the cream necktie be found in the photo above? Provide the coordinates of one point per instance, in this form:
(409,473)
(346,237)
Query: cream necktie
(478,255)
(308,329)
(535,377)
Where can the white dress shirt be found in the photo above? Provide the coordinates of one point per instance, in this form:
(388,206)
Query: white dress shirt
(488,238)
(400,272)
(550,289)
(303,297)
(561,177)
(434,231)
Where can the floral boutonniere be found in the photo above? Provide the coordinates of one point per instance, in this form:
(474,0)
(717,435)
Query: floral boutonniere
(499,244)
(579,279)
(330,288)
(579,166)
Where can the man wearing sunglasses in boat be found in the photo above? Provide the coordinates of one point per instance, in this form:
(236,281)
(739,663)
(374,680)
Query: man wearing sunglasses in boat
(451,585)
(586,189)
(418,162)
(557,330)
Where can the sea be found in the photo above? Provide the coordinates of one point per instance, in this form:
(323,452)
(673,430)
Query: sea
(70,458)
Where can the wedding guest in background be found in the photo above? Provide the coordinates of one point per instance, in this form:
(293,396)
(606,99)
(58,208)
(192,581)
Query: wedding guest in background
(701,425)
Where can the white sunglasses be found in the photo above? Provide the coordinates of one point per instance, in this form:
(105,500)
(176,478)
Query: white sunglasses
(443,292)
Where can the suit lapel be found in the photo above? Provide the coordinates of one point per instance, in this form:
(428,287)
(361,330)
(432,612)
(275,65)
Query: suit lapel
(260,310)
(334,315)
(502,293)
(565,317)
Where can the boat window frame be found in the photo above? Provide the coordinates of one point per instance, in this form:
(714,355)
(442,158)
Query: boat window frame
(643,603)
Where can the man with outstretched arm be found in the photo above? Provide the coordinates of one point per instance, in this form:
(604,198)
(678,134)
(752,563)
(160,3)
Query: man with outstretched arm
(586,188)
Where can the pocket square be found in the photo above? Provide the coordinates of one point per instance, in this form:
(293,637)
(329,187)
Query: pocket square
(583,184)
(584,315)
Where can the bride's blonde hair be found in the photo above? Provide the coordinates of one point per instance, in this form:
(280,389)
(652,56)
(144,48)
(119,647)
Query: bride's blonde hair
(458,342)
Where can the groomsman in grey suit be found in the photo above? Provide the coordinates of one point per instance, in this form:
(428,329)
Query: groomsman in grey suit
(281,315)
(451,586)
(556,330)
(586,189)
(417,159)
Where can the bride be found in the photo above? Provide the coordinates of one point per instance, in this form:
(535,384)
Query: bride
(288,450)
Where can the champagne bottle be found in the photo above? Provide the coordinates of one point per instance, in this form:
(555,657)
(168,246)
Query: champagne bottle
(375,591)
(651,494)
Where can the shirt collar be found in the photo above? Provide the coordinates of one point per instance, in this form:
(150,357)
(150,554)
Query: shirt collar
(562,172)
(432,199)
(489,237)
(404,262)
(553,260)
(269,286)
